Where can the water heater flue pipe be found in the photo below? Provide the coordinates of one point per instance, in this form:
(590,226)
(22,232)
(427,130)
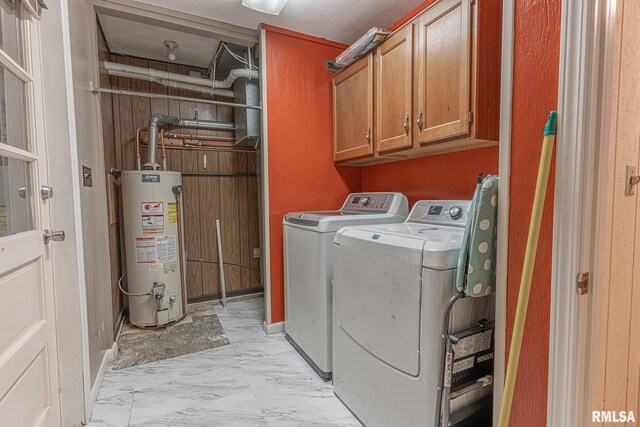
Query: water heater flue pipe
(154,124)
(158,120)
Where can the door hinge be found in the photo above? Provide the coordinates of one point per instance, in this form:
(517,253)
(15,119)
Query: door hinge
(470,116)
(582,284)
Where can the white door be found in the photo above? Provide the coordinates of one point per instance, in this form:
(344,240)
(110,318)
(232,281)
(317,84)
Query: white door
(28,355)
(614,374)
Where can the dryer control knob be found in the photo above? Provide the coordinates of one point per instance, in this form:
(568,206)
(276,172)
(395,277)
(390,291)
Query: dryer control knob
(366,201)
(455,212)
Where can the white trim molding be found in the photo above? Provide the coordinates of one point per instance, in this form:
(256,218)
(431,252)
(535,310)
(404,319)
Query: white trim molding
(109,356)
(581,68)
(264,161)
(506,90)
(75,170)
(273,328)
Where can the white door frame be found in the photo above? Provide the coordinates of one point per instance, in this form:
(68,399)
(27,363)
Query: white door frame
(504,170)
(77,232)
(585,60)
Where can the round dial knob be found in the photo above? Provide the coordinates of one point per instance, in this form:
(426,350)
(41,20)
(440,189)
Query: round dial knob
(455,212)
(366,201)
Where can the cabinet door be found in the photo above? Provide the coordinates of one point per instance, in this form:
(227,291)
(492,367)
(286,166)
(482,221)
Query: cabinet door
(353,111)
(393,91)
(444,72)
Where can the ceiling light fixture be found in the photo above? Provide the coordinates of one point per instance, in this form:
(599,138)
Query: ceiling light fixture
(171,48)
(272,7)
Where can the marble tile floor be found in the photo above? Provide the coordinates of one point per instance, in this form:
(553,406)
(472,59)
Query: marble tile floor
(257,380)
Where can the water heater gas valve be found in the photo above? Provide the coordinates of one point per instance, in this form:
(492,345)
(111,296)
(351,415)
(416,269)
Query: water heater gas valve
(157,291)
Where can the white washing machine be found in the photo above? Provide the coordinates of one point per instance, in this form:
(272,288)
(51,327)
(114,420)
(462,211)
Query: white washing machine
(391,285)
(308,263)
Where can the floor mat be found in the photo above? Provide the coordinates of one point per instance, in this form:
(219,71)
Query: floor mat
(199,330)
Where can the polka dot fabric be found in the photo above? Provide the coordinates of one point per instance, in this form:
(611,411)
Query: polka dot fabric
(476,267)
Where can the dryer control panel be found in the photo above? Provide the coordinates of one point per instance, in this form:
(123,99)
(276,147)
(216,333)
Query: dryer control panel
(369,202)
(442,212)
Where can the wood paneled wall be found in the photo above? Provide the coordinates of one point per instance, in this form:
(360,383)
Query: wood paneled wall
(231,199)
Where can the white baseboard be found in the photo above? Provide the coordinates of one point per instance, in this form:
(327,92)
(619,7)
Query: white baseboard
(274,328)
(109,356)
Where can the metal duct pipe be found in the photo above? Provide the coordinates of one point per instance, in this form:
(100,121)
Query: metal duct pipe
(159,119)
(160,76)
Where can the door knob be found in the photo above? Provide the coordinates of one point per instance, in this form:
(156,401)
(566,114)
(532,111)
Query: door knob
(56,236)
(46,192)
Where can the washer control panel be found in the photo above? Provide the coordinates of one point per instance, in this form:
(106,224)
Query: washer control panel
(444,212)
(369,202)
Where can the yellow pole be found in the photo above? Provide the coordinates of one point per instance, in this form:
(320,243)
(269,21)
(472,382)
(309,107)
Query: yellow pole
(527,269)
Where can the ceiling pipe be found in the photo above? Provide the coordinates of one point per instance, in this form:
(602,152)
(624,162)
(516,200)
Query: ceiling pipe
(160,76)
(236,74)
(158,120)
(176,85)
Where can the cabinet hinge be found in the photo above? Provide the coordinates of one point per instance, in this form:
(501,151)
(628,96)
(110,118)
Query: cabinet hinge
(582,284)
(470,116)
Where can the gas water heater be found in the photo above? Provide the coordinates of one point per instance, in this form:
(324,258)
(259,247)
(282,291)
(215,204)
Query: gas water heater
(154,243)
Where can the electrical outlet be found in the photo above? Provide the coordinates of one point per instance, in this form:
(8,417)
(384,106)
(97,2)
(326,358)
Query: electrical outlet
(257,252)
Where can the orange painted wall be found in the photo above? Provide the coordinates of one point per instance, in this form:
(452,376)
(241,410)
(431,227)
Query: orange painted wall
(446,176)
(302,175)
(535,93)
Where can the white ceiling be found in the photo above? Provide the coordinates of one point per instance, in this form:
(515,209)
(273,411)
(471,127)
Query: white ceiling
(147,41)
(339,20)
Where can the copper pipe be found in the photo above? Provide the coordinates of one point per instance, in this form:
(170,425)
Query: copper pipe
(209,147)
(177,190)
(164,153)
(138,157)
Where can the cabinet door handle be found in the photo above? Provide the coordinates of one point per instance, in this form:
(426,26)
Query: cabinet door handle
(419,120)
(368,135)
(406,124)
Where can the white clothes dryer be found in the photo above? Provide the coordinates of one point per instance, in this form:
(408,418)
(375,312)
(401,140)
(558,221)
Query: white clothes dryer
(391,285)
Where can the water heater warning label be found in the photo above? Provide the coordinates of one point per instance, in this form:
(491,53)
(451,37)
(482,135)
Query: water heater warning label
(152,217)
(167,251)
(146,250)
(172,213)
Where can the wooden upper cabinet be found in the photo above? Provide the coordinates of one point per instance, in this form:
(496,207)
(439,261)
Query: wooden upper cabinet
(437,87)
(393,84)
(353,111)
(443,63)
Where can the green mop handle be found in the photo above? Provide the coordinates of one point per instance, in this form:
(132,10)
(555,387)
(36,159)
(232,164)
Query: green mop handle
(527,269)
